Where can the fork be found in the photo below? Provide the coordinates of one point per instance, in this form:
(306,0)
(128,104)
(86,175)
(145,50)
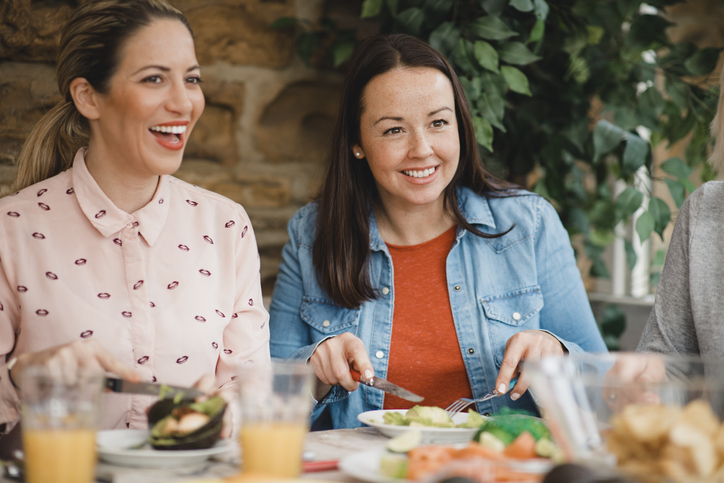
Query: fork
(464,402)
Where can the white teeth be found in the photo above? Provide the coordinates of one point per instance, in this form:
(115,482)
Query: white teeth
(420,174)
(169,129)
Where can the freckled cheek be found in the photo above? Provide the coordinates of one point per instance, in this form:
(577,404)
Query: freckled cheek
(386,157)
(449,150)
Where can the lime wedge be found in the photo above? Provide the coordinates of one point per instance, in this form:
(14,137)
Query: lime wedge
(404,442)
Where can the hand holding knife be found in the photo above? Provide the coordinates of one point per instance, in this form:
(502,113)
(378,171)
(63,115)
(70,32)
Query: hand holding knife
(163,391)
(387,386)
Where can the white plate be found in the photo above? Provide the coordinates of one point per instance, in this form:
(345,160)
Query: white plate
(429,434)
(365,466)
(113,447)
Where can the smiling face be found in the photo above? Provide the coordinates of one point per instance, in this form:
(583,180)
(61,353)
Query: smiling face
(409,136)
(152,104)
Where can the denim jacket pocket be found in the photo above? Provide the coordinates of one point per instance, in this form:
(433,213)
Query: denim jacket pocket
(324,316)
(508,313)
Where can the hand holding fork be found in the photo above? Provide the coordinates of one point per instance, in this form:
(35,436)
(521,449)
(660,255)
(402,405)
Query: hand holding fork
(464,402)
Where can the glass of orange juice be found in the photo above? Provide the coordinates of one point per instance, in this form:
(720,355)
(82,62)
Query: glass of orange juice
(276,403)
(59,417)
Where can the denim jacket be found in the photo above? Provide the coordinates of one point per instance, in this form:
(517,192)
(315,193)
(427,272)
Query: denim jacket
(526,279)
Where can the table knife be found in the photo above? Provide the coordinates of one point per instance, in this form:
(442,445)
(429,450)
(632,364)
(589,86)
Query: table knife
(163,391)
(387,386)
(316,466)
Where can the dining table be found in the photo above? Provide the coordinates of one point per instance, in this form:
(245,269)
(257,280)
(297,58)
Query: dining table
(320,446)
(330,446)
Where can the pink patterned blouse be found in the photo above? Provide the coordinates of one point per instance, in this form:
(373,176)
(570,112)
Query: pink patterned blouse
(172,290)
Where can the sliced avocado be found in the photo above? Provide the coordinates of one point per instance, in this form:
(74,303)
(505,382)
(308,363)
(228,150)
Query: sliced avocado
(396,418)
(204,437)
(430,416)
(475,420)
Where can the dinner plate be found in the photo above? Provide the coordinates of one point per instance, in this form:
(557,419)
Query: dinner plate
(115,447)
(365,466)
(429,434)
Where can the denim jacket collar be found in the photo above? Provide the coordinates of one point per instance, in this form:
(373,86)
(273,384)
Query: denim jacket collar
(475,209)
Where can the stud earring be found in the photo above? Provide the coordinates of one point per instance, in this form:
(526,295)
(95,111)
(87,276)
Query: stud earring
(358,154)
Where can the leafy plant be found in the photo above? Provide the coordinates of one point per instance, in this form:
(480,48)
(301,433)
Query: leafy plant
(568,96)
(612,324)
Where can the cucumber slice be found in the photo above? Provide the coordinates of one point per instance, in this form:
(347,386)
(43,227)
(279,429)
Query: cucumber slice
(490,441)
(404,442)
(393,465)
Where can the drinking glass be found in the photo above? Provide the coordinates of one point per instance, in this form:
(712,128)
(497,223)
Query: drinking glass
(276,403)
(603,417)
(59,418)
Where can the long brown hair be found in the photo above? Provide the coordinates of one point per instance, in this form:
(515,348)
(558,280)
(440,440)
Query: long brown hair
(341,249)
(90,47)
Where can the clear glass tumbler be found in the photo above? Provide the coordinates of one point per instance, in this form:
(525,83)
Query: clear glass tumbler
(59,417)
(276,402)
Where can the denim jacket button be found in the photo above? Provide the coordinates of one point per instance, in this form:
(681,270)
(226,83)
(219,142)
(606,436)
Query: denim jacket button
(516,316)
(471,350)
(385,290)
(379,354)
(457,288)
(326,323)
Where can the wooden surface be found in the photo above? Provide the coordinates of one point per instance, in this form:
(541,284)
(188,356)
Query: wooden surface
(337,444)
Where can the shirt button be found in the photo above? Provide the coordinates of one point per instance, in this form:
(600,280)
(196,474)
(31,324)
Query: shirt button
(385,290)
(326,323)
(457,288)
(379,354)
(471,350)
(516,316)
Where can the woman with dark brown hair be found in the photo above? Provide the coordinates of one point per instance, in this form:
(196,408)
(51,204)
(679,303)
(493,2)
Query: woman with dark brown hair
(415,257)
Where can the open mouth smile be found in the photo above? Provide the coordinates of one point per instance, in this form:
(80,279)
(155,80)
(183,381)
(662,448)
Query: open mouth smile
(416,173)
(169,136)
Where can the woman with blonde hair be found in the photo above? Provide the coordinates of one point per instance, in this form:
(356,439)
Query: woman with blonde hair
(106,260)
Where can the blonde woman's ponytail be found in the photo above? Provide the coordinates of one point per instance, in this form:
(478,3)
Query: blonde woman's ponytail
(90,48)
(51,145)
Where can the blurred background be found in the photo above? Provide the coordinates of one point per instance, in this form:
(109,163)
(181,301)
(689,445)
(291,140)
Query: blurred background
(601,106)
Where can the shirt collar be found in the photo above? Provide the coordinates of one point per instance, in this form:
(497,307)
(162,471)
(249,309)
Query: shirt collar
(106,217)
(475,210)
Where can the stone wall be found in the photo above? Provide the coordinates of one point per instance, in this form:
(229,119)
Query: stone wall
(263,136)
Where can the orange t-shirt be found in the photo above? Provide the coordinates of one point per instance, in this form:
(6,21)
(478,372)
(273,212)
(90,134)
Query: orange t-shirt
(425,355)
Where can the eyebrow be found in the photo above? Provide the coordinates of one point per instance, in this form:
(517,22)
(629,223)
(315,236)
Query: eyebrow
(164,68)
(392,118)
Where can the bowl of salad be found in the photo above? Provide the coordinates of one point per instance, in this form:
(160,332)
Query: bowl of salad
(433,423)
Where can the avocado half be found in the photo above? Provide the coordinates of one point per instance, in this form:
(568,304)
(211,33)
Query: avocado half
(202,438)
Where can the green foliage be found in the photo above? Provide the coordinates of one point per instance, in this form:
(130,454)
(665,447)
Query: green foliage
(612,324)
(627,203)
(534,71)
